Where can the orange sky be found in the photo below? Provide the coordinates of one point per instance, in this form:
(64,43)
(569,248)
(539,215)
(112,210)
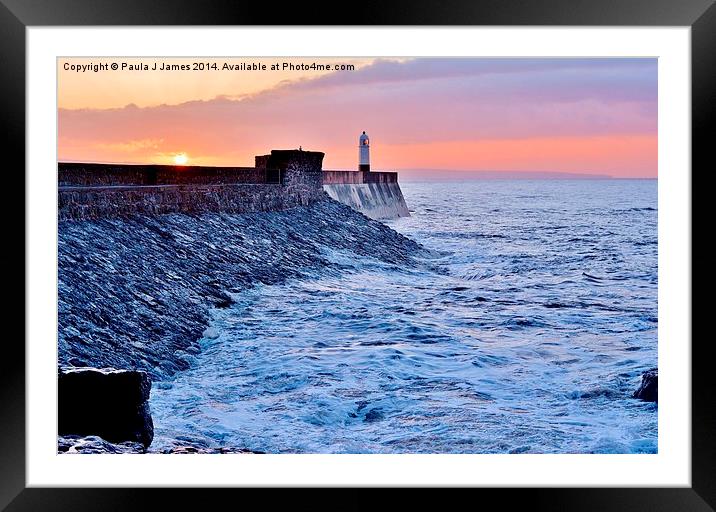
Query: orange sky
(146,89)
(570,115)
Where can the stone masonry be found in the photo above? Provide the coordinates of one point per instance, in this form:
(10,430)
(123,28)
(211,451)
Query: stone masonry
(92,191)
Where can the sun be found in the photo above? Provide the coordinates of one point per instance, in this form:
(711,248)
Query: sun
(180,158)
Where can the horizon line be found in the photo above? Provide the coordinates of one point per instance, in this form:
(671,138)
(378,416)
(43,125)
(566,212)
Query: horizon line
(583,175)
(454,172)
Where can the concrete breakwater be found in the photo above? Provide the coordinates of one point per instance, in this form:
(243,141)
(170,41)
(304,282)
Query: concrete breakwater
(376,200)
(136,292)
(375,194)
(280,180)
(146,252)
(83,203)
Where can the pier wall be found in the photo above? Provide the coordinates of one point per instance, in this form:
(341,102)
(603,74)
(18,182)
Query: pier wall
(286,179)
(332,177)
(280,180)
(71,174)
(85,203)
(378,200)
(376,194)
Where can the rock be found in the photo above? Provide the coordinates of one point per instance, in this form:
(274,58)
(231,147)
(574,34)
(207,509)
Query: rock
(94,444)
(111,404)
(373,415)
(649,388)
(210,333)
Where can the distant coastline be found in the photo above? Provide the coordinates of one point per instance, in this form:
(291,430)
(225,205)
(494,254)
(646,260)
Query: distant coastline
(436,175)
(441,175)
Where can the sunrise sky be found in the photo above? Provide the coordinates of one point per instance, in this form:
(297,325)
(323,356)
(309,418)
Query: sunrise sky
(595,116)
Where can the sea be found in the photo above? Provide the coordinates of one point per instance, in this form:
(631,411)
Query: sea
(525,329)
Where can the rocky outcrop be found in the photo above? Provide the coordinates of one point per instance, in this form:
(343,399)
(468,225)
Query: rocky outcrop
(649,388)
(136,293)
(111,404)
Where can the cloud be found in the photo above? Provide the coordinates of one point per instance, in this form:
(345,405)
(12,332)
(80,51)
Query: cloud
(132,146)
(420,101)
(499,71)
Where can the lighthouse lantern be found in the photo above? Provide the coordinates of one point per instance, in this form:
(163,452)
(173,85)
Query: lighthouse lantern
(363,153)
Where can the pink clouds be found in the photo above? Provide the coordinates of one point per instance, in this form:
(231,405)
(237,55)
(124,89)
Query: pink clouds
(592,112)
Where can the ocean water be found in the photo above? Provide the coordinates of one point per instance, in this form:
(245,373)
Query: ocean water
(526,331)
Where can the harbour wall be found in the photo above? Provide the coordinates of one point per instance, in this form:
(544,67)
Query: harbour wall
(333,177)
(376,194)
(80,174)
(284,179)
(279,181)
(137,292)
(84,203)
(375,200)
(139,281)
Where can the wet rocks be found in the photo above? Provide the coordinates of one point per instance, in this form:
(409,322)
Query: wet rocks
(95,444)
(110,404)
(373,415)
(597,392)
(649,388)
(73,444)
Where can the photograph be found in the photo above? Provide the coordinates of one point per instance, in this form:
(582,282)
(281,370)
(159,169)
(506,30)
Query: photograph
(357,255)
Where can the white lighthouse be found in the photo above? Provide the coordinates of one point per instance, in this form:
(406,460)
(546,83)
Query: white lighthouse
(363,153)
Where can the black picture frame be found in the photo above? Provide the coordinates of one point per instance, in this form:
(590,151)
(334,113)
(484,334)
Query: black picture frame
(17,15)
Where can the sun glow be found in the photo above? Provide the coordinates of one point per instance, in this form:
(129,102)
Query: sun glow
(180,158)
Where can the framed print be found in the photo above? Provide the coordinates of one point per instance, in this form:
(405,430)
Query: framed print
(424,247)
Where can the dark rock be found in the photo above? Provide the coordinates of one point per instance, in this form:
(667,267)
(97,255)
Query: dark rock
(649,388)
(111,404)
(223,302)
(373,415)
(598,392)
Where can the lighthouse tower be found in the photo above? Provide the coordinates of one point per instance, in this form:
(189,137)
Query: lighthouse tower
(363,153)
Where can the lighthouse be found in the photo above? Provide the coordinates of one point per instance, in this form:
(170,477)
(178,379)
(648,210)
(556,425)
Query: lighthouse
(363,153)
